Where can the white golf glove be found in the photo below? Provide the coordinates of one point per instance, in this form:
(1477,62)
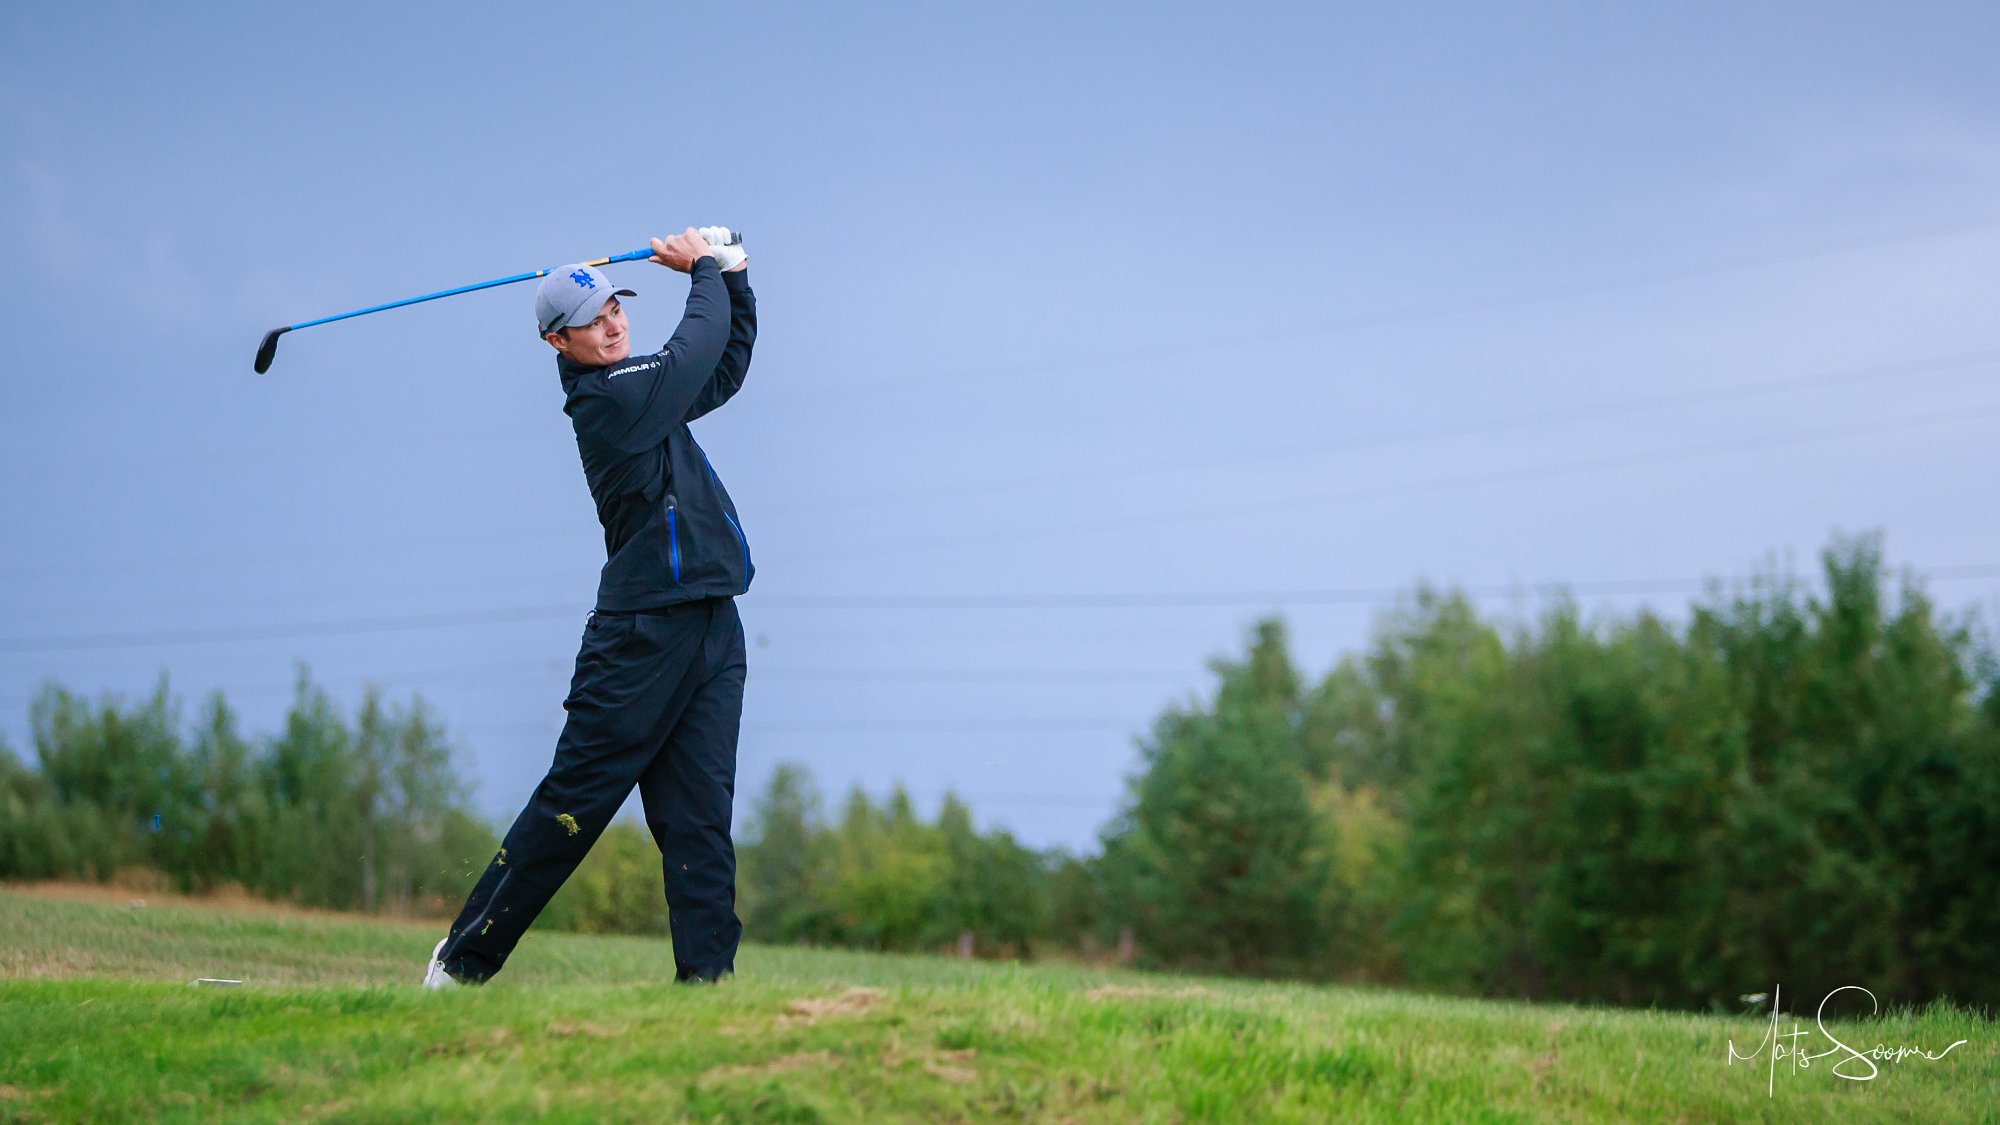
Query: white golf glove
(727,244)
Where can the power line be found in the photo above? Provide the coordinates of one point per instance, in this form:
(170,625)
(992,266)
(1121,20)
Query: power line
(884,726)
(931,726)
(1950,416)
(1030,800)
(1411,313)
(1034,800)
(1628,407)
(1037,800)
(970,675)
(878,602)
(344,627)
(421,680)
(1645,404)
(1431,310)
(1250,599)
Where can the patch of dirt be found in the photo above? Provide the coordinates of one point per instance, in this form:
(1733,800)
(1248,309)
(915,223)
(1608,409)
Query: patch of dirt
(1542,1067)
(813,1009)
(947,1065)
(1130,992)
(959,1074)
(470,1044)
(46,964)
(563,1030)
(775,1066)
(952,1066)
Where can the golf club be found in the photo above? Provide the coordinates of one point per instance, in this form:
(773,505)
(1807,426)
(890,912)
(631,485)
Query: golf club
(268,350)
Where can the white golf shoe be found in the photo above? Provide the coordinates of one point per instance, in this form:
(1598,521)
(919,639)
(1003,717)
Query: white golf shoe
(435,976)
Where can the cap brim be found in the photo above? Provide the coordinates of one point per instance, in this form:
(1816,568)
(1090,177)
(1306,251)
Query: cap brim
(587,311)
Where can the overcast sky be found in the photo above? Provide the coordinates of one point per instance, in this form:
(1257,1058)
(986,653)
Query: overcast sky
(1136,322)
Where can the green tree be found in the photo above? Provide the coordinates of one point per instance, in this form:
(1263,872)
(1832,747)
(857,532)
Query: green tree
(318,843)
(34,844)
(1796,789)
(1078,914)
(1864,835)
(619,888)
(783,870)
(234,822)
(332,815)
(1217,843)
(992,887)
(121,778)
(422,811)
(887,873)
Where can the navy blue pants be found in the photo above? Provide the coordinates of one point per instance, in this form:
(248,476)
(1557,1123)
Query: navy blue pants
(656,702)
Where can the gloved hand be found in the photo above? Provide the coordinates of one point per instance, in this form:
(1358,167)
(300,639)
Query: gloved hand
(727,244)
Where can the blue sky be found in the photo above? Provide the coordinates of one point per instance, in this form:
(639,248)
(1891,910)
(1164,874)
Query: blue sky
(1194,307)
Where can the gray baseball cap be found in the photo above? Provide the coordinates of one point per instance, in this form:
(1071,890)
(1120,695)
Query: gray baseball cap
(570,296)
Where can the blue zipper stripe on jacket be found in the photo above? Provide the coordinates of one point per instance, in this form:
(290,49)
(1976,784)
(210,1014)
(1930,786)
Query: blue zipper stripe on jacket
(673,544)
(741,542)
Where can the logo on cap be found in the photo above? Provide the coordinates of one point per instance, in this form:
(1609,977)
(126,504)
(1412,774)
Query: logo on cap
(582,278)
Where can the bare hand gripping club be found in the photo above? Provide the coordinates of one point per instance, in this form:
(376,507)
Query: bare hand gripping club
(268,350)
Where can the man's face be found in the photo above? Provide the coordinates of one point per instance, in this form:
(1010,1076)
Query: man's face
(601,342)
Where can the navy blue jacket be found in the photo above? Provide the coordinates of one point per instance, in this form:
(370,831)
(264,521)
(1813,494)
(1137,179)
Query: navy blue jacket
(670,531)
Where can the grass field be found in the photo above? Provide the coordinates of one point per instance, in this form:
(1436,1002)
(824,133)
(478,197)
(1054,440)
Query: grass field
(98,1022)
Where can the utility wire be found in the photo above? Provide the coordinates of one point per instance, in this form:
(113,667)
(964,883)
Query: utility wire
(1548,471)
(1034,800)
(421,680)
(1417,435)
(879,602)
(1432,310)
(1846,375)
(886,726)
(1416,312)
(1251,599)
(1039,800)
(937,726)
(343,627)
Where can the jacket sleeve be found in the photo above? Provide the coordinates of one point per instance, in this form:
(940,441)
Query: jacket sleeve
(728,377)
(634,404)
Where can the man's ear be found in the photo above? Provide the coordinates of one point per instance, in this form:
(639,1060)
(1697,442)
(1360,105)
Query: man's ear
(558,341)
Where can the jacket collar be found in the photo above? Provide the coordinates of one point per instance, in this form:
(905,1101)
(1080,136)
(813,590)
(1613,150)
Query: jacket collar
(570,369)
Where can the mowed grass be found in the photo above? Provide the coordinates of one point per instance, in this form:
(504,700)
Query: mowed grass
(98,1022)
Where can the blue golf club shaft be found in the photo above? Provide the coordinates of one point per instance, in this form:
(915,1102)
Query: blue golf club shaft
(269,349)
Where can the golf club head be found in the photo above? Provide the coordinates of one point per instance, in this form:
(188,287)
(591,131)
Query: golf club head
(268,350)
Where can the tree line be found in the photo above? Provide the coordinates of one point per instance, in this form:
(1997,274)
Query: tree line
(332,812)
(1792,788)
(1798,785)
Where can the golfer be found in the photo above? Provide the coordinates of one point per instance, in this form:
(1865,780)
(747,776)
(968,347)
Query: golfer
(658,690)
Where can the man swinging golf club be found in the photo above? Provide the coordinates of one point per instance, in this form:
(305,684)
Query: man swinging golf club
(658,690)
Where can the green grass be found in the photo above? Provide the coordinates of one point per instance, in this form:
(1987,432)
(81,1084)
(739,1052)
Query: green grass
(98,1023)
